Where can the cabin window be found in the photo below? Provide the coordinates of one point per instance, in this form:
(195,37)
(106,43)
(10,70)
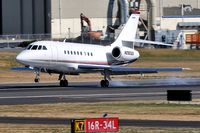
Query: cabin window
(77,53)
(80,53)
(29,47)
(71,53)
(85,53)
(68,51)
(91,54)
(74,53)
(88,54)
(34,47)
(64,52)
(40,47)
(44,48)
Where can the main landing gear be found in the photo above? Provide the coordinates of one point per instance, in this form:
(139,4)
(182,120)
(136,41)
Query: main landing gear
(105,83)
(63,81)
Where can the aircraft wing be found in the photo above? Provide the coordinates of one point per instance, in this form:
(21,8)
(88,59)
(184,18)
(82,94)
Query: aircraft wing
(115,70)
(21,68)
(152,42)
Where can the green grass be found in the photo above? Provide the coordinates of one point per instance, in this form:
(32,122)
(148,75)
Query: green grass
(8,60)
(26,128)
(169,54)
(112,108)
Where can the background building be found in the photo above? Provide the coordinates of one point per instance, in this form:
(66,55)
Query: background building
(25,17)
(61,18)
(65,15)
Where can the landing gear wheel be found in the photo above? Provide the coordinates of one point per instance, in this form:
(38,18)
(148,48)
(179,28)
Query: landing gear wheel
(104,83)
(63,83)
(37,80)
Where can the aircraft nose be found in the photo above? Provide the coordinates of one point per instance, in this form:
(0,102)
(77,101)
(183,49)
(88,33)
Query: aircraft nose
(137,54)
(20,58)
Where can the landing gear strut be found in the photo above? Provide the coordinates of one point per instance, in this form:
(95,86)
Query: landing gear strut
(105,83)
(63,81)
(37,76)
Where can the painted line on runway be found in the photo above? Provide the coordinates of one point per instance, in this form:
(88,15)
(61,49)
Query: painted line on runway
(83,95)
(90,95)
(28,89)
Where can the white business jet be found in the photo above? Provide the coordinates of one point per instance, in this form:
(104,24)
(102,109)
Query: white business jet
(66,58)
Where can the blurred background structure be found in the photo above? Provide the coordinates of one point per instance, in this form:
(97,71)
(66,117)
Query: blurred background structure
(169,21)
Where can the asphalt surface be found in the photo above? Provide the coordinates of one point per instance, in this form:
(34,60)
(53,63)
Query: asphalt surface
(154,89)
(140,123)
(92,92)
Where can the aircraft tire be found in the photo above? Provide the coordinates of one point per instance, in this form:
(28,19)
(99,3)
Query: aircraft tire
(36,80)
(63,83)
(104,83)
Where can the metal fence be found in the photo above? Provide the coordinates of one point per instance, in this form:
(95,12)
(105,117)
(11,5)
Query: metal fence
(15,40)
(12,41)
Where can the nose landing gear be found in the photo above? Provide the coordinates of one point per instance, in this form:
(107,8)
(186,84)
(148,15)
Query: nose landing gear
(63,81)
(37,76)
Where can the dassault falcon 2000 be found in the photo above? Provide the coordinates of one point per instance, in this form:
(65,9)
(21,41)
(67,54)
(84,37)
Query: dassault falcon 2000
(66,58)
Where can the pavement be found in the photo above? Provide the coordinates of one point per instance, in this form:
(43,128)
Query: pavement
(122,122)
(151,89)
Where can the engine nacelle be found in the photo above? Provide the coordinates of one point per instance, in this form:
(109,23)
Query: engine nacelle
(124,54)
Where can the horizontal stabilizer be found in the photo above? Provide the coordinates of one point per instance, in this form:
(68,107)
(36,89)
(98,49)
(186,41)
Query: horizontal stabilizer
(152,42)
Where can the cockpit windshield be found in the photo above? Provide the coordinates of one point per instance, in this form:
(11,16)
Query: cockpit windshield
(29,47)
(44,48)
(40,47)
(36,47)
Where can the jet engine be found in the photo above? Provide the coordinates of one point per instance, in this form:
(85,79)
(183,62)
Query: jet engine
(124,54)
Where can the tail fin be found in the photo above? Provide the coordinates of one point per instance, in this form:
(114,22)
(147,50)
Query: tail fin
(128,33)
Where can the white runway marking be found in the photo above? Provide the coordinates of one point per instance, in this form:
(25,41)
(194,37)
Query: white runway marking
(84,95)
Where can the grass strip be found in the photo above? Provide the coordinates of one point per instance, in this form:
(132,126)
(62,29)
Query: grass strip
(124,110)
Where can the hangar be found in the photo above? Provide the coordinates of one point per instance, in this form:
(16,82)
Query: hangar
(25,17)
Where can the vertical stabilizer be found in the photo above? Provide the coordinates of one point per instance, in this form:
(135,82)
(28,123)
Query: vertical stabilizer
(128,33)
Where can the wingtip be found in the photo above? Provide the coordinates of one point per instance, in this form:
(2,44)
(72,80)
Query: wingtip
(187,69)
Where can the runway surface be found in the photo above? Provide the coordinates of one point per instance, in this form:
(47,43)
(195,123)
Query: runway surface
(151,89)
(139,123)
